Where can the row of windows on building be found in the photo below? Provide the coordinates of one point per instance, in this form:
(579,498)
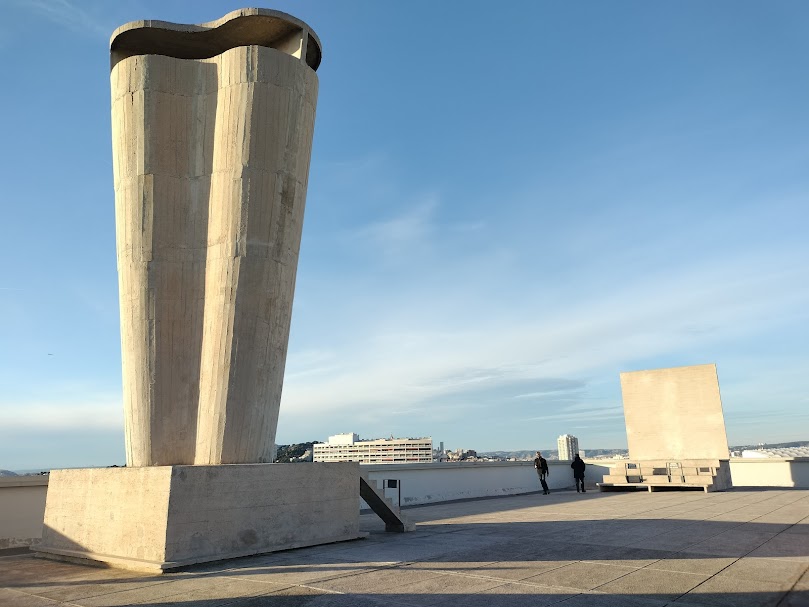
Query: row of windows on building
(349,448)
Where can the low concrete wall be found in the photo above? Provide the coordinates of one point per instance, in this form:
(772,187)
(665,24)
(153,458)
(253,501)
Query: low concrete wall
(22,509)
(442,482)
(22,499)
(770,472)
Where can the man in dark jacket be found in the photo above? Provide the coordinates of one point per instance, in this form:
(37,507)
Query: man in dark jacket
(541,464)
(578,472)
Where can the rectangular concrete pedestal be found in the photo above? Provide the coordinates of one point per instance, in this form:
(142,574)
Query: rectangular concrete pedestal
(164,517)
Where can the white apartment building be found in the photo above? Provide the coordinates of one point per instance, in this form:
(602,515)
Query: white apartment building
(568,446)
(349,448)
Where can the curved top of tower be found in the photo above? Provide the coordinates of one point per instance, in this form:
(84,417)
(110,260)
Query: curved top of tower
(243,27)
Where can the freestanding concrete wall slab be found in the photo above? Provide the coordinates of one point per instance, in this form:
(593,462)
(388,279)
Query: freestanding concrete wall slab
(674,414)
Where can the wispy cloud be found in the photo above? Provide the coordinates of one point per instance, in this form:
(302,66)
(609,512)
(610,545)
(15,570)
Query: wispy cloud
(71,414)
(404,233)
(70,15)
(592,414)
(425,356)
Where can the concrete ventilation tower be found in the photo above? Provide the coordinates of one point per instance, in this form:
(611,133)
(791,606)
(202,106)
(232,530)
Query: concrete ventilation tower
(212,132)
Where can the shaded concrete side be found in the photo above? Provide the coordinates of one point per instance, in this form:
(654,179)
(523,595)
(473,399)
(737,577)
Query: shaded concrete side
(22,508)
(112,512)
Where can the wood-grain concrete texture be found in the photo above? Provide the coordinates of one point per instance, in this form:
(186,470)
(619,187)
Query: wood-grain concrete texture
(736,549)
(154,518)
(211,161)
(674,414)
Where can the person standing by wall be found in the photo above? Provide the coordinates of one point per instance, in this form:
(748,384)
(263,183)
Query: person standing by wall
(541,464)
(578,466)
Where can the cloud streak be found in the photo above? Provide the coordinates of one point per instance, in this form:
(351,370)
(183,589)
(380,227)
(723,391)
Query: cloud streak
(99,412)
(69,15)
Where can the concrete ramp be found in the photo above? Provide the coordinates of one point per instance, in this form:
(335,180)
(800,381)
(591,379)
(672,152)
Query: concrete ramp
(383,507)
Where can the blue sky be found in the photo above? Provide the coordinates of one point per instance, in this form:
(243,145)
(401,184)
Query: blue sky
(506,209)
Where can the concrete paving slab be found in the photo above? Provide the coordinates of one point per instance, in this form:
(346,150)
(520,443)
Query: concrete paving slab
(631,557)
(516,570)
(20,598)
(348,600)
(445,565)
(511,595)
(392,580)
(695,564)
(654,584)
(734,543)
(582,576)
(785,546)
(802,527)
(432,590)
(735,592)
(559,551)
(677,540)
(767,570)
(297,573)
(32,572)
(803,582)
(592,599)
(186,591)
(294,596)
(76,591)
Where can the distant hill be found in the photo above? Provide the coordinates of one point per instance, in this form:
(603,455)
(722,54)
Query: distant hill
(546,453)
(554,454)
(800,443)
(513,454)
(299,452)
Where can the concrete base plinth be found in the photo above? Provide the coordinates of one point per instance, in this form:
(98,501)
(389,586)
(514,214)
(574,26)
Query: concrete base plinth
(165,517)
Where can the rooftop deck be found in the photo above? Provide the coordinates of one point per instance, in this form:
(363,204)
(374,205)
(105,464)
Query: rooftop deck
(735,548)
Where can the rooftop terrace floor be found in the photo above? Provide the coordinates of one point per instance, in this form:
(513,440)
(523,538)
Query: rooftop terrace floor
(736,548)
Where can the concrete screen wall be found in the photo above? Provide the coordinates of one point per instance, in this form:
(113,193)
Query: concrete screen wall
(674,414)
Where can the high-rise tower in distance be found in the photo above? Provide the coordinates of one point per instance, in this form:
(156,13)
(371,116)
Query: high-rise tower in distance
(568,446)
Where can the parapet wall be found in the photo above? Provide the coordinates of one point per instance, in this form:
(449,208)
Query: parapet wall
(22,510)
(22,499)
(432,483)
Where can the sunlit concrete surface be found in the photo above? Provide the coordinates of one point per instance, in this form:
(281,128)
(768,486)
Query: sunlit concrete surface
(737,548)
(674,414)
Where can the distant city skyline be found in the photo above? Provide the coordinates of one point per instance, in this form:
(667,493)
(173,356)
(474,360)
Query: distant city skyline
(491,237)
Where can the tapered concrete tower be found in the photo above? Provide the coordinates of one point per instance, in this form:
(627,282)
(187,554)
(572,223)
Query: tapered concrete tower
(212,132)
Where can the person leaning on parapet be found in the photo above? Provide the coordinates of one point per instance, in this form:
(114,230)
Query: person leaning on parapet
(541,464)
(578,472)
